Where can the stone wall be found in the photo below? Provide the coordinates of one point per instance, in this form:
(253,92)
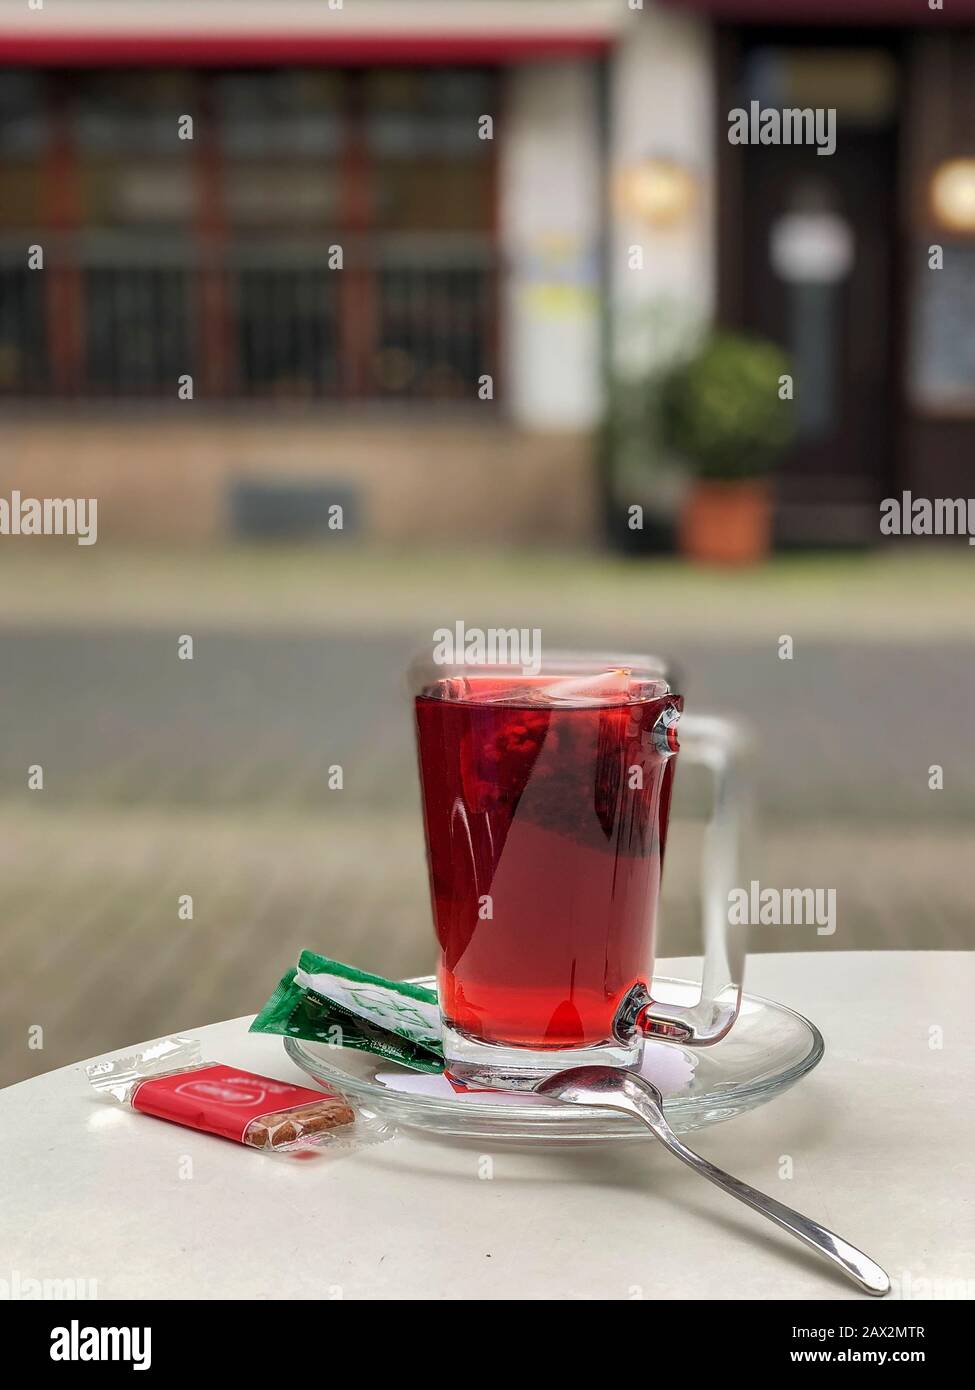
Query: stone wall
(160,478)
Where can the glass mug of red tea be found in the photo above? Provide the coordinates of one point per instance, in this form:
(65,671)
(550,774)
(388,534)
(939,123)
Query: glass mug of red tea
(546,799)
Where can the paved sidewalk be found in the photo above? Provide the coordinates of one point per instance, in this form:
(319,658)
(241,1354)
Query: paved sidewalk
(902,592)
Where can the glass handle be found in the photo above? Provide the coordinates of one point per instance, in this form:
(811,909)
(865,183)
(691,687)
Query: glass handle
(722,747)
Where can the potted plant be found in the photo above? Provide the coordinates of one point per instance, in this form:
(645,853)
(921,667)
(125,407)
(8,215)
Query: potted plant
(721,411)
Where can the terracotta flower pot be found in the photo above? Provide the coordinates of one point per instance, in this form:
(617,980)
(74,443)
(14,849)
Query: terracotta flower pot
(727,523)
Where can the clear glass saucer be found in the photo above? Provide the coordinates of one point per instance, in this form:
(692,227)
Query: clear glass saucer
(768,1050)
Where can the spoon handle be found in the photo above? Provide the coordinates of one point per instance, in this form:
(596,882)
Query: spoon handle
(853,1262)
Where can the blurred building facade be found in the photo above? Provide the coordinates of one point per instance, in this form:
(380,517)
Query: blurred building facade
(397,250)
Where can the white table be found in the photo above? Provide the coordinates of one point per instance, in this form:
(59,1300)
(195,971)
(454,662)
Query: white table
(881,1138)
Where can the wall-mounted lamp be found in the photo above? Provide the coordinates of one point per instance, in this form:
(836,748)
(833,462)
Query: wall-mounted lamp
(656,190)
(952,195)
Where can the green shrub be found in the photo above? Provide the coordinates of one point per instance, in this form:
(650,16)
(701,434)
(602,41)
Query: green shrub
(720,410)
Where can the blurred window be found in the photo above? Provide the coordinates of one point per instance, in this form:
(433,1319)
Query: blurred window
(132,165)
(431,171)
(943,341)
(292,234)
(23,138)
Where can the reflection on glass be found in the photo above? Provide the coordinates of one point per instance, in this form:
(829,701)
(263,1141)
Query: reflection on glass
(812,250)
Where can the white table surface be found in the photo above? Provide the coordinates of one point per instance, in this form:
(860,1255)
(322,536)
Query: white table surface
(881,1137)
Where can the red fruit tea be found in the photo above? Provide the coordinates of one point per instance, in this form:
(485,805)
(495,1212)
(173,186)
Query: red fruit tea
(546,822)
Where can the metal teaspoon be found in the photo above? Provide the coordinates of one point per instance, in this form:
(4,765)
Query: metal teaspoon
(613,1089)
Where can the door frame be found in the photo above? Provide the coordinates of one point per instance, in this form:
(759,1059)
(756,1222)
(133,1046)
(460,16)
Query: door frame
(730,44)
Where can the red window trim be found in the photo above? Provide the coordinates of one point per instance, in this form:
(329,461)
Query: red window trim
(276,50)
(64,301)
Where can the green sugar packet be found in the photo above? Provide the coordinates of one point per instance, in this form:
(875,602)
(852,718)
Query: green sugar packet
(326,1001)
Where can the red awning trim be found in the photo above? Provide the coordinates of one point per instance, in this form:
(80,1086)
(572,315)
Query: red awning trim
(275,49)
